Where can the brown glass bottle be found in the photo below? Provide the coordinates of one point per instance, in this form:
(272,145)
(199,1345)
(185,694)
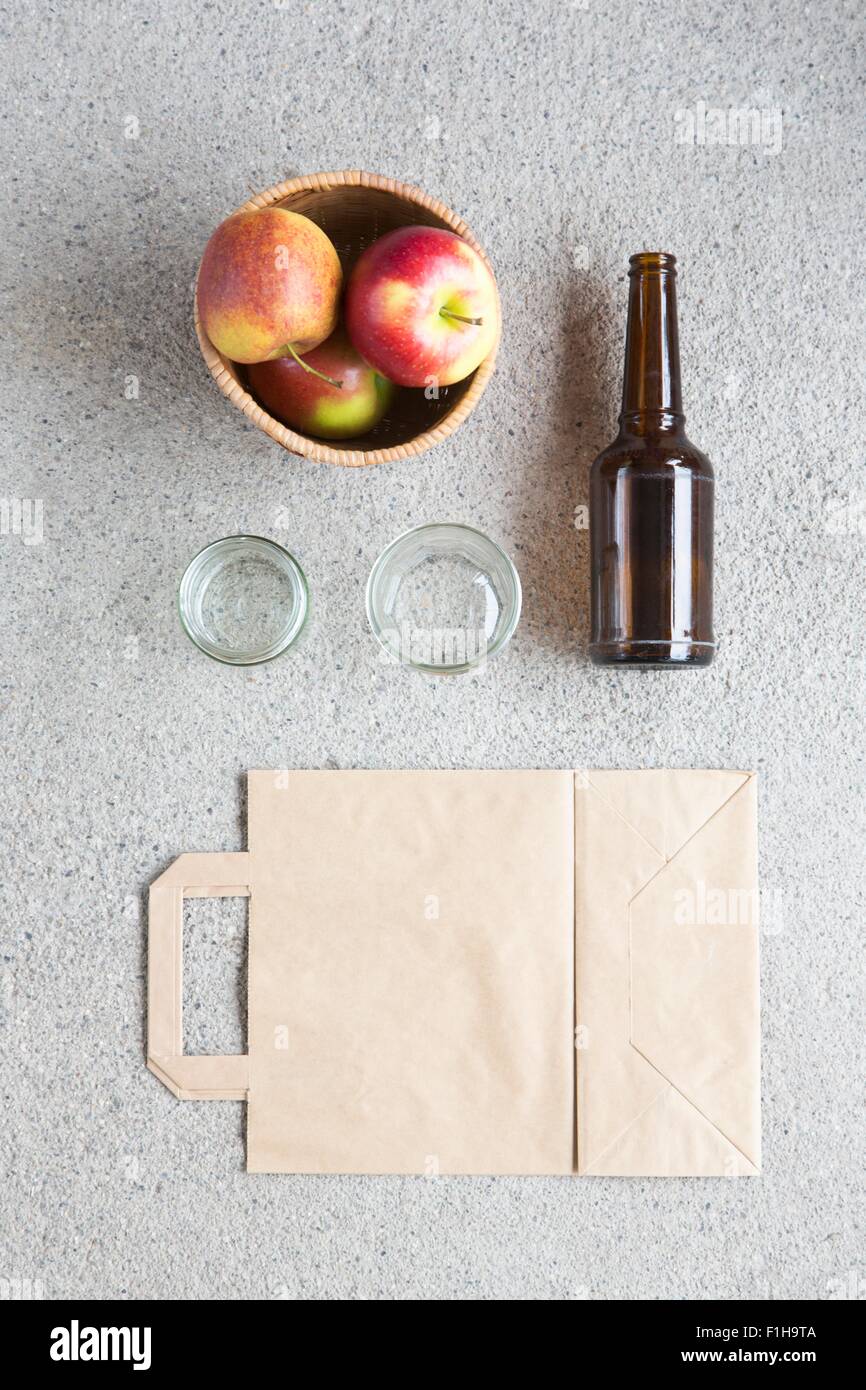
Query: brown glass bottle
(651,500)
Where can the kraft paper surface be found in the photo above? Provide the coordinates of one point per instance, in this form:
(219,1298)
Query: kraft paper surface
(485,972)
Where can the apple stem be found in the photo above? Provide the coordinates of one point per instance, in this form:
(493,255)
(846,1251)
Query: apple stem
(461,318)
(307,368)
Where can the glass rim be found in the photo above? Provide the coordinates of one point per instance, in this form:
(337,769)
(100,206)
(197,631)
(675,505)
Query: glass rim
(459,668)
(292,631)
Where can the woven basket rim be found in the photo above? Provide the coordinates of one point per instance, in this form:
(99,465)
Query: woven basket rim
(315,449)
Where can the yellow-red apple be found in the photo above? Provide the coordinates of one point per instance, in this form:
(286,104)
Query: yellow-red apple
(269,285)
(421,307)
(312,401)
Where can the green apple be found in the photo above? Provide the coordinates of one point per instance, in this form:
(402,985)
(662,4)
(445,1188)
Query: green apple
(331,393)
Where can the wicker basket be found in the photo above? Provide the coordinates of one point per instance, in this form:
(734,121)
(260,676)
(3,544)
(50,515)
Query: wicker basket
(354,209)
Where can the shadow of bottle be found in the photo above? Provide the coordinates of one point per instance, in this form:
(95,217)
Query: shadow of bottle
(575,419)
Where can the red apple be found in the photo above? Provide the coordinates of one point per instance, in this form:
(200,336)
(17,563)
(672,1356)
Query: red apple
(422,307)
(306,397)
(269,284)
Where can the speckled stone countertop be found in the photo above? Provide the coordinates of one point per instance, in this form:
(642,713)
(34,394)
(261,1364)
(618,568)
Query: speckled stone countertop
(562,134)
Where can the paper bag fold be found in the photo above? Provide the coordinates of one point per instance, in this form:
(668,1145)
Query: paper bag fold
(667,974)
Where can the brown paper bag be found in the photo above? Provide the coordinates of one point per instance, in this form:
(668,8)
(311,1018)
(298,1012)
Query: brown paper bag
(484,972)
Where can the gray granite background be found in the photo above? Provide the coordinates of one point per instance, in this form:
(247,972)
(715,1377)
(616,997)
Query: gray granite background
(128,132)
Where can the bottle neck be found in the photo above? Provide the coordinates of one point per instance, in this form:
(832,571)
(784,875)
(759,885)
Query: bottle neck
(651,392)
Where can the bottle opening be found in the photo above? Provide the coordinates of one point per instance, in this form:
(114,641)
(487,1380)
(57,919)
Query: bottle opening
(650,261)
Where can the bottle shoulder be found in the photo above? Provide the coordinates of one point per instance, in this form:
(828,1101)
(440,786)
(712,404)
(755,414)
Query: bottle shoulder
(652,454)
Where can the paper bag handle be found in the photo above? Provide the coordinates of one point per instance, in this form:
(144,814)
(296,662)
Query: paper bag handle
(191,876)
